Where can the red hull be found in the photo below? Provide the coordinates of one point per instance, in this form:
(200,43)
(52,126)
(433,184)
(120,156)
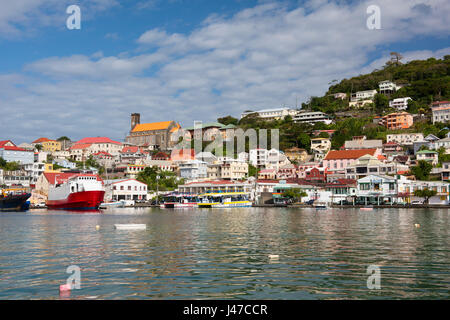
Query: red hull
(87,200)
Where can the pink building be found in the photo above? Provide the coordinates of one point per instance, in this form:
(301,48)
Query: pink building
(339,160)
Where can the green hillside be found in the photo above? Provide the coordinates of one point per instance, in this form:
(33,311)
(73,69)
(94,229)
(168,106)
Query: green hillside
(424,81)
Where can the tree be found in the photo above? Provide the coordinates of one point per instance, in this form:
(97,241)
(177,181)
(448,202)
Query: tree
(38,147)
(395,58)
(9,166)
(425,193)
(252,171)
(63,138)
(381,102)
(167,180)
(228,120)
(295,194)
(422,170)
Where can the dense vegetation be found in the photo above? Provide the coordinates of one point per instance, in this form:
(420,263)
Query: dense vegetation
(8,166)
(167,180)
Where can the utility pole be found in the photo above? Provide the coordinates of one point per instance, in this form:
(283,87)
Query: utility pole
(157,190)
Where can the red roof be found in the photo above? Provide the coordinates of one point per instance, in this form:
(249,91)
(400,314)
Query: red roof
(96,140)
(40,140)
(13,148)
(348,154)
(4,142)
(80,146)
(161,155)
(132,149)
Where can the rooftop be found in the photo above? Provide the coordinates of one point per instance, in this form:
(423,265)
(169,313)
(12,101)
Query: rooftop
(152,126)
(348,154)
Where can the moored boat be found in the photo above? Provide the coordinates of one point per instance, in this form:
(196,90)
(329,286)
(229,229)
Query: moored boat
(179,201)
(79,192)
(14,200)
(224,200)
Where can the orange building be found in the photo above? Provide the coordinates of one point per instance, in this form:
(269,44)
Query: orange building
(398,120)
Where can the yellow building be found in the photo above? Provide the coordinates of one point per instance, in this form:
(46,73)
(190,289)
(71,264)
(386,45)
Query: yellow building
(51,146)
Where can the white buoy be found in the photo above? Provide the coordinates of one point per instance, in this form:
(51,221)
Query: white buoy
(97,227)
(130,226)
(274,256)
(417,225)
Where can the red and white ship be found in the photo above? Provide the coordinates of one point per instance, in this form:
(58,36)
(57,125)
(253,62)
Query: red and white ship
(78,192)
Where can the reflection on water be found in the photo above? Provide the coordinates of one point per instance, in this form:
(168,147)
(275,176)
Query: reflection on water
(222,254)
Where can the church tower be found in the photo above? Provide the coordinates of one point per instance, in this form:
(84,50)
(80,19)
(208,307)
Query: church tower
(135,120)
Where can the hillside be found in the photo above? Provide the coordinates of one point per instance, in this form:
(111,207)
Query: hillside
(424,81)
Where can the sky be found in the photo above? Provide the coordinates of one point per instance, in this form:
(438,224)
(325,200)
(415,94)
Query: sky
(191,60)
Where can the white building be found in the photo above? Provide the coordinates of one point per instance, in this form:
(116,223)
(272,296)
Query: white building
(364,95)
(272,114)
(376,189)
(399,103)
(125,189)
(441,111)
(441,143)
(405,139)
(320,145)
(193,169)
(388,86)
(276,159)
(258,157)
(429,156)
(312,117)
(16,154)
(243,156)
(34,170)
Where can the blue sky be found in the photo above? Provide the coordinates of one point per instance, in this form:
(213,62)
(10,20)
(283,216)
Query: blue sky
(187,60)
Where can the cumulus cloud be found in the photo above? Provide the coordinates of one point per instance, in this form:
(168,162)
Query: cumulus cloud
(266,56)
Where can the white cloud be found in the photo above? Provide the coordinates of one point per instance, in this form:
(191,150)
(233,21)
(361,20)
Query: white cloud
(261,57)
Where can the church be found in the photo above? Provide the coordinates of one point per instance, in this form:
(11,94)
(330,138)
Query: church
(155,135)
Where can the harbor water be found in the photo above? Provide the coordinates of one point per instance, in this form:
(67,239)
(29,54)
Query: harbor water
(224,253)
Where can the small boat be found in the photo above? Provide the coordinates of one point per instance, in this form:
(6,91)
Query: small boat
(14,199)
(320,206)
(224,200)
(117,204)
(367,208)
(130,226)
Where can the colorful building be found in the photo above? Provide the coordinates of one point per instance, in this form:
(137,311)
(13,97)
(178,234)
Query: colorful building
(397,120)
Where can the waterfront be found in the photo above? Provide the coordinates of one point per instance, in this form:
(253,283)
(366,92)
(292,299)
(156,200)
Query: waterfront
(223,253)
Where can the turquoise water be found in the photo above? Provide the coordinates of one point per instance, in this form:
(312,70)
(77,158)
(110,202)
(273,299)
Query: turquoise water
(223,254)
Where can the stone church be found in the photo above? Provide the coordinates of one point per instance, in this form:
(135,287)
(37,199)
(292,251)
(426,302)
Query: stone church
(155,135)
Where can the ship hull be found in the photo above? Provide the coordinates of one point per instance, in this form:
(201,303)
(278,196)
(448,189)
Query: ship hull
(86,200)
(15,203)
